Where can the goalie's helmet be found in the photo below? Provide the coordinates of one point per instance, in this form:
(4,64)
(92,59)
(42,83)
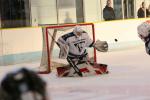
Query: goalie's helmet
(23,85)
(78,29)
(144,29)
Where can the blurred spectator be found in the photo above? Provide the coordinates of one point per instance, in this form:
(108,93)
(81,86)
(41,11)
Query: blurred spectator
(141,11)
(23,85)
(108,12)
(148,11)
(68,19)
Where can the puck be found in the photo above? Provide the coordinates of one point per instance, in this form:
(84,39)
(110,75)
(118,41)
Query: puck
(116,40)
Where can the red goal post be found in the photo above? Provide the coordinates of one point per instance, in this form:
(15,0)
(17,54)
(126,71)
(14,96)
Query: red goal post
(50,50)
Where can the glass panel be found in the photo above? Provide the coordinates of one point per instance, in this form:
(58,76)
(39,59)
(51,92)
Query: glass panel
(92,10)
(15,13)
(43,12)
(125,9)
(79,11)
(118,9)
(128,8)
(67,11)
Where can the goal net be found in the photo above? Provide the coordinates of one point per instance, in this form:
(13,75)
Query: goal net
(50,51)
(35,48)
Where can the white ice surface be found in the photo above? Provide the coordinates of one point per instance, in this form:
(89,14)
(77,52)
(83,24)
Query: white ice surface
(128,79)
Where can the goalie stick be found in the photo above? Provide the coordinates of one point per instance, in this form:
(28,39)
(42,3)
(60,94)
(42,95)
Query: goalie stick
(77,70)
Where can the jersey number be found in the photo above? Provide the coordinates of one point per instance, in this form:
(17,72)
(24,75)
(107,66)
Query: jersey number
(79,45)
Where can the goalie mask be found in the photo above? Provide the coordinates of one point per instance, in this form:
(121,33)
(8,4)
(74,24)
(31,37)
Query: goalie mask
(78,30)
(23,85)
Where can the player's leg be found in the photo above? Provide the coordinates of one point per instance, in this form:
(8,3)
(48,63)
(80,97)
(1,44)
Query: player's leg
(147,47)
(74,68)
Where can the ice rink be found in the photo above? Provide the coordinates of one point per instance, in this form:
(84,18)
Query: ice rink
(128,79)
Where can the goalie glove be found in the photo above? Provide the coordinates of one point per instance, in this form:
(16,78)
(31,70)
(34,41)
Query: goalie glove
(101,46)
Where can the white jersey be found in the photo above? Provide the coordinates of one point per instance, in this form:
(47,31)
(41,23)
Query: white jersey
(77,44)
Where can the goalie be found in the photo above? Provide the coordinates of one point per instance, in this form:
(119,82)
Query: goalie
(73,47)
(144,33)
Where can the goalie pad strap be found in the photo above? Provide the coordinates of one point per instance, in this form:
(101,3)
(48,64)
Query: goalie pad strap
(77,56)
